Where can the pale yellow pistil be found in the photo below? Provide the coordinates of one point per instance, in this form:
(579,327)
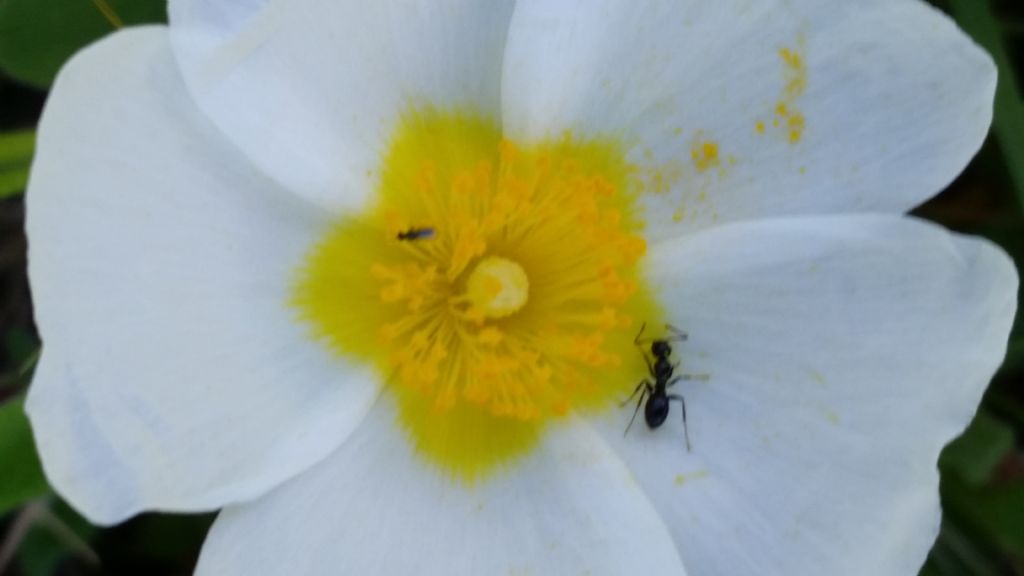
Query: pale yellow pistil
(497,287)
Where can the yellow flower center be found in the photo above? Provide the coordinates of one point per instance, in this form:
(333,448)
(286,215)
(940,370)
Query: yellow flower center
(494,286)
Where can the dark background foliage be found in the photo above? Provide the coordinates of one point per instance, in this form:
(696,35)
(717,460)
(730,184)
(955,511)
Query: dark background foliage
(982,472)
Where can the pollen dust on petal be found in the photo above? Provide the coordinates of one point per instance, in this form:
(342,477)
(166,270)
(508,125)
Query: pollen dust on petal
(786,117)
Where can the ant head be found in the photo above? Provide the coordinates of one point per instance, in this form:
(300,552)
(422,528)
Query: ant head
(660,348)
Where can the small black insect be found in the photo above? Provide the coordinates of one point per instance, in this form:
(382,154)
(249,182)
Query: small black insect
(416,234)
(662,370)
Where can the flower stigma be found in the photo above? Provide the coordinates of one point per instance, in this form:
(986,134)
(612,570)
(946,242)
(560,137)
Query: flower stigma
(495,286)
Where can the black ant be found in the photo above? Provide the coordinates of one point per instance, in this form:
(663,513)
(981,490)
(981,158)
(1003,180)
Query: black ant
(416,234)
(656,409)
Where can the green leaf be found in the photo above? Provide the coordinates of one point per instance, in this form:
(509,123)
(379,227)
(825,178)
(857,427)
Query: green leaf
(1001,514)
(957,554)
(23,478)
(40,553)
(982,447)
(1014,361)
(21,346)
(38,36)
(58,537)
(977,18)
(13,182)
(16,148)
(22,374)
(991,513)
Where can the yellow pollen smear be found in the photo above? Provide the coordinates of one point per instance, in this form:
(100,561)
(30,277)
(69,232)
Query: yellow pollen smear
(704,154)
(786,117)
(494,286)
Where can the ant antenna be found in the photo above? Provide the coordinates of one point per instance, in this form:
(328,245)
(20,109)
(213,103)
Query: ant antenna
(676,336)
(680,336)
(636,339)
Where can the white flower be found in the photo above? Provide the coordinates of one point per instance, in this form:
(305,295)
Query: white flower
(230,318)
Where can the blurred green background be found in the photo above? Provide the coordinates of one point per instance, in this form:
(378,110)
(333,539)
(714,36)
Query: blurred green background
(982,472)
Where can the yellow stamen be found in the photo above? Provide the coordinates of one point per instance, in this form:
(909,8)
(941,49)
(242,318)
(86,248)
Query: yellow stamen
(518,308)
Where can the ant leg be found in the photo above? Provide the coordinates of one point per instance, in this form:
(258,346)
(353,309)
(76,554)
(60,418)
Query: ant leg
(635,390)
(686,431)
(688,377)
(647,388)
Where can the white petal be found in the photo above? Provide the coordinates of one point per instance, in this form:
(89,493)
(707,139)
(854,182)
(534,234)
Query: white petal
(175,375)
(374,507)
(843,353)
(897,99)
(312,89)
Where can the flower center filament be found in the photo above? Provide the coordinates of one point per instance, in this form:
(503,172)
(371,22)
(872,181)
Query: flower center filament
(494,286)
